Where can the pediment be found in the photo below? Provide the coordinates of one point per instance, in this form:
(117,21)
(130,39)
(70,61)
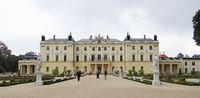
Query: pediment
(99,41)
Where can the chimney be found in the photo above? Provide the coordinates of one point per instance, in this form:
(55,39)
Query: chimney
(144,36)
(155,37)
(107,37)
(54,37)
(42,38)
(90,36)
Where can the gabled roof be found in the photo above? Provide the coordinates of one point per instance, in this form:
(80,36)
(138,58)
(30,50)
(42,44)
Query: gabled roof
(163,56)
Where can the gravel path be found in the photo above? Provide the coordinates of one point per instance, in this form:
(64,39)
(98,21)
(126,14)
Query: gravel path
(90,87)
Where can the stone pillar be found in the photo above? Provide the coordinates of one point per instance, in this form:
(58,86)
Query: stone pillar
(28,69)
(163,68)
(155,71)
(170,69)
(39,81)
(103,68)
(95,68)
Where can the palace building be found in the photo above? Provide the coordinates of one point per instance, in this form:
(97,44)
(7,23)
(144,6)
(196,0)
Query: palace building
(96,54)
(104,54)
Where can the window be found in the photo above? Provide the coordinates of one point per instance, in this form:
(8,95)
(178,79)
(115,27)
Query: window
(85,69)
(65,67)
(93,57)
(105,57)
(47,48)
(185,63)
(193,69)
(77,58)
(133,47)
(120,48)
(150,47)
(56,47)
(113,58)
(133,57)
(141,67)
(47,69)
(99,48)
(85,48)
(56,57)
(85,58)
(193,63)
(141,47)
(93,48)
(65,47)
(186,70)
(99,57)
(141,57)
(113,48)
(151,58)
(47,58)
(77,48)
(105,48)
(65,58)
(133,68)
(121,58)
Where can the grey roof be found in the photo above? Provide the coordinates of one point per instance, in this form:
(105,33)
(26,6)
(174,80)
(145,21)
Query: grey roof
(57,40)
(141,39)
(90,40)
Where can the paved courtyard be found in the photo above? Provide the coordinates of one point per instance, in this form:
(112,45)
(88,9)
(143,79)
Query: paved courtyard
(90,87)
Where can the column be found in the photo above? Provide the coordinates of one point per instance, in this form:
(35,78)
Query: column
(170,68)
(103,68)
(95,68)
(163,68)
(28,69)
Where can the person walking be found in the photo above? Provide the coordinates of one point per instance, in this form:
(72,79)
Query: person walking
(97,74)
(78,74)
(105,74)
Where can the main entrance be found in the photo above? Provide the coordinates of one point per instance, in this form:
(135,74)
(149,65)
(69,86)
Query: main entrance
(99,67)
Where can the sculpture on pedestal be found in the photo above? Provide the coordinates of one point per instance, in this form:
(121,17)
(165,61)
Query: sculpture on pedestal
(155,71)
(39,81)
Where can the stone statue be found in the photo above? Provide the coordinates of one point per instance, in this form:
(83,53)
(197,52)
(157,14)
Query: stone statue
(39,64)
(155,71)
(39,81)
(155,67)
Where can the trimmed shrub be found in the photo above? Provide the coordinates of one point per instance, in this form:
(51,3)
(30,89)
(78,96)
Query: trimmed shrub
(141,72)
(55,71)
(47,77)
(47,82)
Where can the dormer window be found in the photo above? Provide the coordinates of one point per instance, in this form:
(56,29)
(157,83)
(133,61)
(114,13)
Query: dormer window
(65,47)
(47,48)
(56,47)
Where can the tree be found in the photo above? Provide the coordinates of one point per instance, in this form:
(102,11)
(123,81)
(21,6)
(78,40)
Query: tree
(8,62)
(196,56)
(196,26)
(180,55)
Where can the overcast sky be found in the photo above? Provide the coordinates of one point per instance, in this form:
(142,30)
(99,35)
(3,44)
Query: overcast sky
(22,22)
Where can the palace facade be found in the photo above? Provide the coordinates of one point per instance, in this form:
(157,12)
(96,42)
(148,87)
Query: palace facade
(104,54)
(96,54)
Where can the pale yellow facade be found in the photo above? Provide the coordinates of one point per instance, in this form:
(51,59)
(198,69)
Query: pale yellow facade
(98,54)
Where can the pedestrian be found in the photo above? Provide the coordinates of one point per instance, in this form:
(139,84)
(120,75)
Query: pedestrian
(97,74)
(105,74)
(78,74)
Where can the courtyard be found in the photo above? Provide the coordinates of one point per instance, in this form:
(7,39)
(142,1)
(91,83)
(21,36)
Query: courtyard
(90,87)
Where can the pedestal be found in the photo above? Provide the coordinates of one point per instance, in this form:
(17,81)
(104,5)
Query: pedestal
(156,81)
(39,81)
(73,73)
(121,74)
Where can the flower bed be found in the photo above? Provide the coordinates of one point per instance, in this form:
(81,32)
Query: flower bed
(139,80)
(52,81)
